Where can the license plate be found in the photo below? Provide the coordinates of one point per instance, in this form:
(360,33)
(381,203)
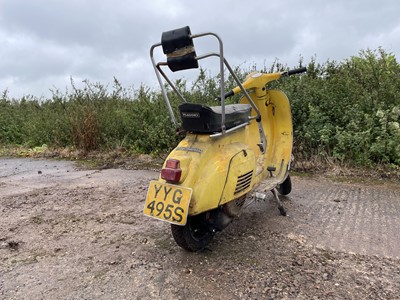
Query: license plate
(167,202)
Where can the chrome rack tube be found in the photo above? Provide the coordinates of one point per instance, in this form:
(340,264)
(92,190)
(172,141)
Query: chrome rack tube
(221,67)
(171,112)
(263,140)
(215,135)
(169,81)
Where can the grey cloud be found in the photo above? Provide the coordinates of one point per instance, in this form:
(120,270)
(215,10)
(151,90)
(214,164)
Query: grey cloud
(45,42)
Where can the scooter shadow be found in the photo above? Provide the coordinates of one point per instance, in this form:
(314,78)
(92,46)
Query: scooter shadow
(258,222)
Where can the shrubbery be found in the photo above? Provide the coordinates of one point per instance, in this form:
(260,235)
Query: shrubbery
(348,111)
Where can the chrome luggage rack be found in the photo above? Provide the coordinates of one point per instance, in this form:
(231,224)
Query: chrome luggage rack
(179,49)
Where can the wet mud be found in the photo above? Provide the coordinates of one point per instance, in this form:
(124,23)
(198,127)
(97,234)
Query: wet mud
(67,233)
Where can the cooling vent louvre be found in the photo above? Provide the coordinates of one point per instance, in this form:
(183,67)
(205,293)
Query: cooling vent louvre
(243,182)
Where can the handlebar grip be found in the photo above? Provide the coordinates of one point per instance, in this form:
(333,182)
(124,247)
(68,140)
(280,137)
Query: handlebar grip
(297,71)
(227,95)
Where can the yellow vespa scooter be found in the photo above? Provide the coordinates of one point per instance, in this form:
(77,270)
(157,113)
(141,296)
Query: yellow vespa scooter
(230,152)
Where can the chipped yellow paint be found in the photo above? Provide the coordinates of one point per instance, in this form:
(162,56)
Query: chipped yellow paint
(211,165)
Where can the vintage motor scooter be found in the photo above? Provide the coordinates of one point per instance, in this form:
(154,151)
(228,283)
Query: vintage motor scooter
(229,153)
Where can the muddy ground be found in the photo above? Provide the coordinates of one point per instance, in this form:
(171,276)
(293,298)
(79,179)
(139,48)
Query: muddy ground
(80,234)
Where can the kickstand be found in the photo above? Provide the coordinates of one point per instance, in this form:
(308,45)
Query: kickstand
(280,206)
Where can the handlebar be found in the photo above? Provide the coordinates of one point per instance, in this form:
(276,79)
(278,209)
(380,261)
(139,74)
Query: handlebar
(259,80)
(295,71)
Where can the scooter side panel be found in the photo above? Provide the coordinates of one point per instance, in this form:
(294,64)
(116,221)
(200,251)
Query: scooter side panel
(213,179)
(241,174)
(206,165)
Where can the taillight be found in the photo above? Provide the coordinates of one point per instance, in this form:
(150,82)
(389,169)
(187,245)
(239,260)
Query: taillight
(172,171)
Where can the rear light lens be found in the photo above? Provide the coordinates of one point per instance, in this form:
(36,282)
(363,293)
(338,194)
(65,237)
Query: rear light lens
(172,171)
(173,164)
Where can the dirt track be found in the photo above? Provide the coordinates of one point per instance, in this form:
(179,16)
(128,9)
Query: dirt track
(69,234)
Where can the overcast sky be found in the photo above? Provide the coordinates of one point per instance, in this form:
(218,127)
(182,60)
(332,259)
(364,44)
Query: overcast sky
(43,43)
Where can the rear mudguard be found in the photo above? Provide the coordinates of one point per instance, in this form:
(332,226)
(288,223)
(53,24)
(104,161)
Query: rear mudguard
(217,169)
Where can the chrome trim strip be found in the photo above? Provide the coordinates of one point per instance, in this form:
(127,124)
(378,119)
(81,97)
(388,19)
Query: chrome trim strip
(189,149)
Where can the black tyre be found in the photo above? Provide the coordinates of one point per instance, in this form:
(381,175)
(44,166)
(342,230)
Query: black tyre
(285,187)
(195,235)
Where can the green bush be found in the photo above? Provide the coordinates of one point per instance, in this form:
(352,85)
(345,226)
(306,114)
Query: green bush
(348,111)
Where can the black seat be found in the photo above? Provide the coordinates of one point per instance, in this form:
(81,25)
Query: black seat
(198,118)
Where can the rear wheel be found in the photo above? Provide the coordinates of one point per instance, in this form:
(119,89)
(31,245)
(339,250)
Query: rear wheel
(285,187)
(195,235)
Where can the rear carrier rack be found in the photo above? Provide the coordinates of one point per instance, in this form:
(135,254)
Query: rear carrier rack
(180,52)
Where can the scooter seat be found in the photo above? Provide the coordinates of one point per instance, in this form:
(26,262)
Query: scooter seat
(199,118)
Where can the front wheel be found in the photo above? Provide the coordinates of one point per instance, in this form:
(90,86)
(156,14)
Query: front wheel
(195,235)
(285,187)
